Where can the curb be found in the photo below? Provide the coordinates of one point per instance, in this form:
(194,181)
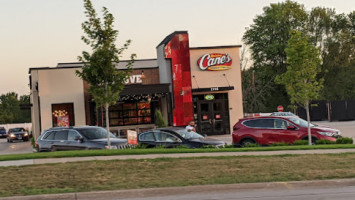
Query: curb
(172,191)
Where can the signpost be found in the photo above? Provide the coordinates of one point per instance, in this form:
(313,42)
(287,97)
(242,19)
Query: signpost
(280,108)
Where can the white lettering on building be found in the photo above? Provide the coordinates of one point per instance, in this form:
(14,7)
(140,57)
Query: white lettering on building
(134,79)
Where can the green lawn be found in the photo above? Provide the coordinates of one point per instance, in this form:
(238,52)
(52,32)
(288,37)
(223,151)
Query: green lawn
(167,172)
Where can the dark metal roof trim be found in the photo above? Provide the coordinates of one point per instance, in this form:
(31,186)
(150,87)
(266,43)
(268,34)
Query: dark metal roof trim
(136,89)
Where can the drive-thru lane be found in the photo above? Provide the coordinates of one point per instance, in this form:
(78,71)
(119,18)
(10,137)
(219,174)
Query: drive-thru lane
(15,147)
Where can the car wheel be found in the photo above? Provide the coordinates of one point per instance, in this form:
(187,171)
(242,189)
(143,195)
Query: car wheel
(247,142)
(53,149)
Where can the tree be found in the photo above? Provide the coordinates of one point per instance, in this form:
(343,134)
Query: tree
(267,38)
(159,119)
(10,108)
(300,79)
(106,82)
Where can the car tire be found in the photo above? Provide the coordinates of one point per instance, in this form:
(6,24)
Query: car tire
(53,149)
(246,142)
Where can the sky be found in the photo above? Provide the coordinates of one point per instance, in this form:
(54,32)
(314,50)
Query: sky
(42,33)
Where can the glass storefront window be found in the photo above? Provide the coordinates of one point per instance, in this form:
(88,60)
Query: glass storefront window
(130,114)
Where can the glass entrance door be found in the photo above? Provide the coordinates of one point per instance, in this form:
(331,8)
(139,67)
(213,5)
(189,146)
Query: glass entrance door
(211,117)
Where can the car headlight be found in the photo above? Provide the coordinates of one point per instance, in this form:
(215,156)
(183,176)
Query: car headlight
(329,134)
(26,134)
(12,135)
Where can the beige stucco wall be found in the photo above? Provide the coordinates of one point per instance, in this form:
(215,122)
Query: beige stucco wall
(34,101)
(57,86)
(210,79)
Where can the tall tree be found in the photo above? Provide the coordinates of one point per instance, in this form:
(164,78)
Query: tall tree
(267,38)
(300,79)
(106,82)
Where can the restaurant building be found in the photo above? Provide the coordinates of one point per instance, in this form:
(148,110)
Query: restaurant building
(200,83)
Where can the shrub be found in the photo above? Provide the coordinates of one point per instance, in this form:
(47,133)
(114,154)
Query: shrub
(251,145)
(140,146)
(324,142)
(159,119)
(300,142)
(345,140)
(33,142)
(279,144)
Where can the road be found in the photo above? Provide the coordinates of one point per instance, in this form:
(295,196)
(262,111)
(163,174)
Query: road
(347,193)
(339,189)
(15,147)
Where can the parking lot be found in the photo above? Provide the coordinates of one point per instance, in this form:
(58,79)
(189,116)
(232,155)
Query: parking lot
(347,129)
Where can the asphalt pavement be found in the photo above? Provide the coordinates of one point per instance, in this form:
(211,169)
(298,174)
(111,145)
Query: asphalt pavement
(15,147)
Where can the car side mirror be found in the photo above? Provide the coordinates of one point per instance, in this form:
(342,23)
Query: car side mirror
(79,138)
(291,128)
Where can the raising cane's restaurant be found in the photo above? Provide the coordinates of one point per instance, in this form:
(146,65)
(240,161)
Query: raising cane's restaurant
(185,83)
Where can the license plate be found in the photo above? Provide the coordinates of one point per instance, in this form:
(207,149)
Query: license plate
(19,137)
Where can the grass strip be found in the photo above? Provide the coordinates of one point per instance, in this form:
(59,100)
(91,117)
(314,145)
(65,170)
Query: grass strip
(64,154)
(170,172)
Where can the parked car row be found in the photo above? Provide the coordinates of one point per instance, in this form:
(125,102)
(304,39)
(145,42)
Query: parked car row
(265,130)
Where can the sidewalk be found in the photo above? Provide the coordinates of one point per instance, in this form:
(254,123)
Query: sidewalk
(178,155)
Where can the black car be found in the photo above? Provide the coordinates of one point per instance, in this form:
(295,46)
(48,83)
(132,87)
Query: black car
(17,134)
(173,137)
(77,138)
(2,132)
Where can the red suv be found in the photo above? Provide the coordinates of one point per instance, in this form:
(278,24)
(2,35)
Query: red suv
(272,129)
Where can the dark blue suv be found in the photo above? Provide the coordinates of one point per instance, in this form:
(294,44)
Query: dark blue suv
(2,132)
(77,138)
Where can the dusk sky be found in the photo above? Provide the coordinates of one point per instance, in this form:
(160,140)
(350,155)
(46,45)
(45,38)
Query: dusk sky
(42,33)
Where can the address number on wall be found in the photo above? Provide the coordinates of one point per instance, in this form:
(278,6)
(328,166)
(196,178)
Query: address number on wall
(214,89)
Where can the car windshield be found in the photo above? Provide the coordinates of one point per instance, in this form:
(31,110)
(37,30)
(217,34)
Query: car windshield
(16,130)
(95,133)
(300,122)
(188,134)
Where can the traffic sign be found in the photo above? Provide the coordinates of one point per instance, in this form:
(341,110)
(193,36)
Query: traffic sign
(280,108)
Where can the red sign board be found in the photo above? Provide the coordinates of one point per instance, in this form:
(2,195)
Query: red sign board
(280,108)
(215,62)
(132,137)
(63,121)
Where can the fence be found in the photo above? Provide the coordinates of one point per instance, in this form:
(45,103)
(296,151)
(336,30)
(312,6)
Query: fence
(330,110)
(26,126)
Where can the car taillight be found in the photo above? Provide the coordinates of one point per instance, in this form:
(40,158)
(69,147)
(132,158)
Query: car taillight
(36,144)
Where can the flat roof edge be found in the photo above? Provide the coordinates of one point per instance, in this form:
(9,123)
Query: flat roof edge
(217,47)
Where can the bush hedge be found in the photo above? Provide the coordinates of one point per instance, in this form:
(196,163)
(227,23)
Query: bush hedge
(344,140)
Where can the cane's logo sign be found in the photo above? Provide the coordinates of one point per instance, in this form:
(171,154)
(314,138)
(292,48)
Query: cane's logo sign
(215,62)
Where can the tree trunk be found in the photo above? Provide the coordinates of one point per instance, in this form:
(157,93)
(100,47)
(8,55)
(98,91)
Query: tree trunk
(309,124)
(108,127)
